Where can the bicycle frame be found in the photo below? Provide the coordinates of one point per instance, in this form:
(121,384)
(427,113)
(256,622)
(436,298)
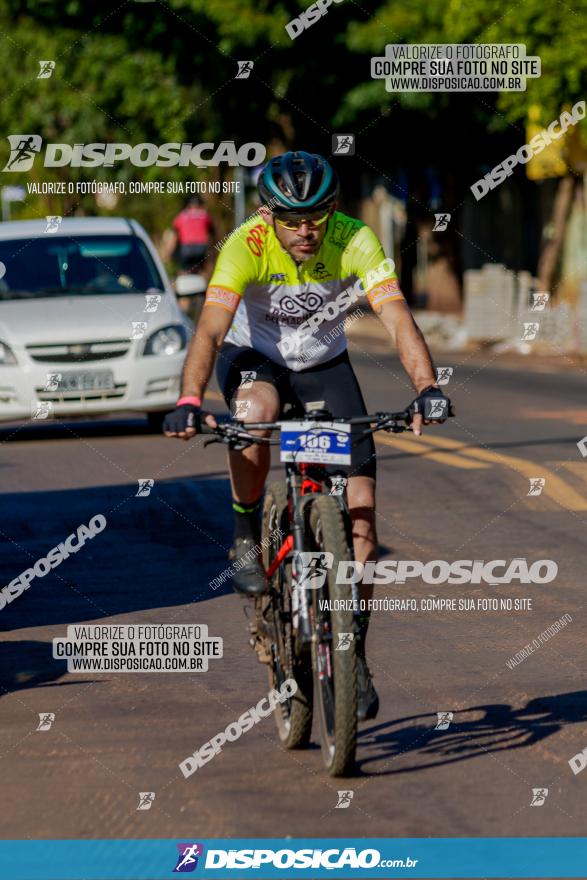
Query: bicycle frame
(302,488)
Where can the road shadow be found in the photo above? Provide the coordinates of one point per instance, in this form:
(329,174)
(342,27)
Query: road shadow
(160,549)
(28,664)
(500,728)
(73,429)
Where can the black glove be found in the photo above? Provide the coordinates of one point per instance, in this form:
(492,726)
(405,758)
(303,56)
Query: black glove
(432,404)
(185,416)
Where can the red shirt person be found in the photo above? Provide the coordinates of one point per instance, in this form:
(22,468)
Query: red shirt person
(194,229)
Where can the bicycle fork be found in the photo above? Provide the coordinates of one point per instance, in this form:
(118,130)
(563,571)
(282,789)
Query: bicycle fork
(300,604)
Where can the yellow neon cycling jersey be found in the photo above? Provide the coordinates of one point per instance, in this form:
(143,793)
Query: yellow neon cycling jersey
(276,296)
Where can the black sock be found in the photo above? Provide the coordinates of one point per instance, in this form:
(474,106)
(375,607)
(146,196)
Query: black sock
(246,519)
(364,619)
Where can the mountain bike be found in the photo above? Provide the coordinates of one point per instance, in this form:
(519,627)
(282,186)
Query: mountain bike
(305,627)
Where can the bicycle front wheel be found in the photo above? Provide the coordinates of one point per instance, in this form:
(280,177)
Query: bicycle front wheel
(333,647)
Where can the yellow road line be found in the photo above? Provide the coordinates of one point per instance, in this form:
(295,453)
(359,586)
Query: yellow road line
(405,445)
(555,487)
(577,468)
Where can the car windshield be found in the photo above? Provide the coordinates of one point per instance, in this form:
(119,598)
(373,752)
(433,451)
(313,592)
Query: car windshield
(82,265)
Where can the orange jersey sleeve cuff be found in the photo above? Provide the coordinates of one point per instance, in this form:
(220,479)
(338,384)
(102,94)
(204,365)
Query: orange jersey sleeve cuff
(222,296)
(384,291)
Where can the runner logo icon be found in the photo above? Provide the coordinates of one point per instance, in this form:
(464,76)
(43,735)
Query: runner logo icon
(23,149)
(343,144)
(437,409)
(539,795)
(244,69)
(187,860)
(441,222)
(313,568)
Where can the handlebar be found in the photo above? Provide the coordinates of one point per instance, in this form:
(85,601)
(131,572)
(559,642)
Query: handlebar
(236,434)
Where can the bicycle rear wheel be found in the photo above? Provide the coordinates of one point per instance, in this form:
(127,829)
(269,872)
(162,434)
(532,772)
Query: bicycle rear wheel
(335,670)
(294,716)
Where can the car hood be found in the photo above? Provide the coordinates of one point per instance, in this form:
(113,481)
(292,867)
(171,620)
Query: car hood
(81,318)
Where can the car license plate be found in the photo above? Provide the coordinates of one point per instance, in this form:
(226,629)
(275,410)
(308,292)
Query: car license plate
(316,442)
(86,380)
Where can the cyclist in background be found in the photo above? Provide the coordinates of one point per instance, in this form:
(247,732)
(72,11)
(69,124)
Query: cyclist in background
(194,230)
(291,261)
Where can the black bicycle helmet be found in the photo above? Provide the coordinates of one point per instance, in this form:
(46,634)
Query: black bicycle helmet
(298,181)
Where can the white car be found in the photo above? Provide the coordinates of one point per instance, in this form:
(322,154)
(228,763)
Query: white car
(89,322)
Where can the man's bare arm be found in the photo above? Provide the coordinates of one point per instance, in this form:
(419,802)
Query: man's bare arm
(199,363)
(397,319)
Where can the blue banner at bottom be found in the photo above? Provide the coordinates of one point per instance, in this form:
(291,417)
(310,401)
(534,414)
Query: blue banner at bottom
(308,858)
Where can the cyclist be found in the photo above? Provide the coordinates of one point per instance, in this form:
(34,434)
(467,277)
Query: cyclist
(289,263)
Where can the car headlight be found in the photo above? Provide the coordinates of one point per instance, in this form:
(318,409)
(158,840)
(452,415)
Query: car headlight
(166,341)
(6,355)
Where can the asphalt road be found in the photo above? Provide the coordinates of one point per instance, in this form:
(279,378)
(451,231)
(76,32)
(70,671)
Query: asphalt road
(458,493)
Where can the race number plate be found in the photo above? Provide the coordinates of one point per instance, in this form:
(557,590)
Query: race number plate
(316,442)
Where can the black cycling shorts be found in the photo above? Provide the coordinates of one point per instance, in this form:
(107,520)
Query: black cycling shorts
(191,256)
(333,382)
